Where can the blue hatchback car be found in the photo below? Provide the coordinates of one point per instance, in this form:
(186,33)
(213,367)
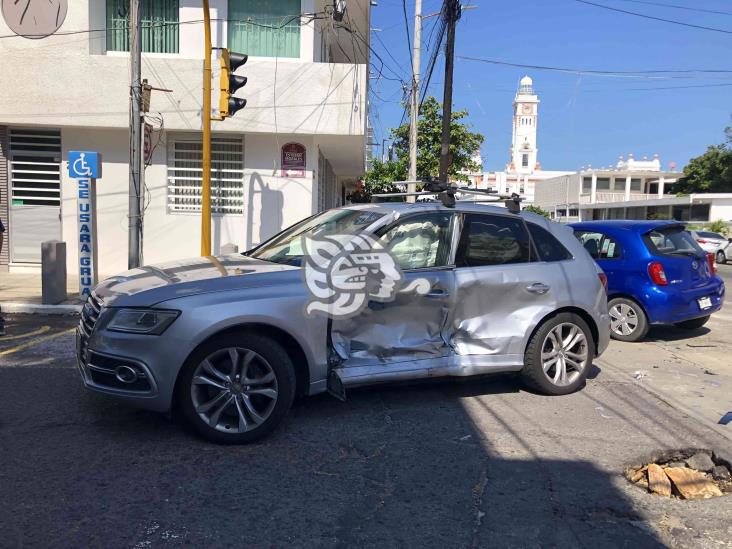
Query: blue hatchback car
(657,274)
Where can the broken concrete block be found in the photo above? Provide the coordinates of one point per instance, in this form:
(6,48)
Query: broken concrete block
(720,472)
(658,482)
(692,484)
(700,461)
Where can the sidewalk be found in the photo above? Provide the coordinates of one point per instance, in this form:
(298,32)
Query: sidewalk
(21,293)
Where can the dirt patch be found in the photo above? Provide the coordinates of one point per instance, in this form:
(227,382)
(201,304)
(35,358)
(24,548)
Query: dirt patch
(690,473)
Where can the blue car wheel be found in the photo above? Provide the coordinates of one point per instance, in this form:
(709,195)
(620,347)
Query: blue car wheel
(628,321)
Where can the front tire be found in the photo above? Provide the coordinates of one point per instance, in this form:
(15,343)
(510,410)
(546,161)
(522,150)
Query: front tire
(236,388)
(693,324)
(559,355)
(628,321)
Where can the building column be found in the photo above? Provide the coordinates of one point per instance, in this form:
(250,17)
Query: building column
(627,189)
(593,191)
(661,184)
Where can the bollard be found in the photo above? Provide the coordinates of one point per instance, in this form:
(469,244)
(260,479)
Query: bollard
(53,272)
(229,249)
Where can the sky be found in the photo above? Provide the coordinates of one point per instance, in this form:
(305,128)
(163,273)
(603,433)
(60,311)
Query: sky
(583,119)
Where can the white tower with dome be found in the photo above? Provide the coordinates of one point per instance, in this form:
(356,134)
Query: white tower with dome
(525,114)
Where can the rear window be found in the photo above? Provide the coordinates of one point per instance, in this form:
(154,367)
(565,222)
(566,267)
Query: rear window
(671,241)
(704,234)
(547,246)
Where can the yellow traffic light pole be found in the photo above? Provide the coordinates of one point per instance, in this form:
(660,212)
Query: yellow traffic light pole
(206,119)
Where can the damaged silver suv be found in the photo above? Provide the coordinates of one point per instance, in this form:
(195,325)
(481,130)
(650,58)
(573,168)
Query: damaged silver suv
(349,297)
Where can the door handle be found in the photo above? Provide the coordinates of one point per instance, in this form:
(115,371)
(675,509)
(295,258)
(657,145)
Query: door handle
(538,288)
(437,293)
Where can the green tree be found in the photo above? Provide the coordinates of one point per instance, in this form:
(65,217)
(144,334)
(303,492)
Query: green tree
(463,143)
(710,172)
(536,210)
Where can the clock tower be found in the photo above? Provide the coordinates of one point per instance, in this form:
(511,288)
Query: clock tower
(525,114)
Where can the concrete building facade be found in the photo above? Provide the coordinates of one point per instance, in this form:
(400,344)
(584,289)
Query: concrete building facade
(633,189)
(307,87)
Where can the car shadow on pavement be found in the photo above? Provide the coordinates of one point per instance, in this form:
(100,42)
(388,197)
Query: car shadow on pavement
(671,333)
(404,466)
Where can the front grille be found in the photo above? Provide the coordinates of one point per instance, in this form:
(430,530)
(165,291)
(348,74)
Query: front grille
(89,317)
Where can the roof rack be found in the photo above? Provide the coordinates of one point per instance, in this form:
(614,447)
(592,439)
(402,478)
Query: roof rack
(446,194)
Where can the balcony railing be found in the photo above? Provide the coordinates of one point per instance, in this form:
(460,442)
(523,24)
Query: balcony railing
(603,196)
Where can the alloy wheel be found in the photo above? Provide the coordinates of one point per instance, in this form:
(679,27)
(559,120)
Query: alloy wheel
(564,354)
(234,390)
(623,319)
(721,258)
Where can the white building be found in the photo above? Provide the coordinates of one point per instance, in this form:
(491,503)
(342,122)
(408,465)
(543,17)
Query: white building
(633,189)
(523,172)
(307,84)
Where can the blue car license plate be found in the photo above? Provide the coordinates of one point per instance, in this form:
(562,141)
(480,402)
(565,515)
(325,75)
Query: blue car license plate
(705,303)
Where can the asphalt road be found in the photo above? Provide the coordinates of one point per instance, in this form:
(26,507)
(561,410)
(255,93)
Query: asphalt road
(479,463)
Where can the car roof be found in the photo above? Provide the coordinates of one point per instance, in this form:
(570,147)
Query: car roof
(630,225)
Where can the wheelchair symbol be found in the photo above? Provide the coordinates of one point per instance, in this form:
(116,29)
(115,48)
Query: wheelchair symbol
(81,167)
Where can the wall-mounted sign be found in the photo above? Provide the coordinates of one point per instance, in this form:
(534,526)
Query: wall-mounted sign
(294,160)
(84,167)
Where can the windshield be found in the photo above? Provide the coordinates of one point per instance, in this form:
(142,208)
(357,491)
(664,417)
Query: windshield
(286,247)
(672,241)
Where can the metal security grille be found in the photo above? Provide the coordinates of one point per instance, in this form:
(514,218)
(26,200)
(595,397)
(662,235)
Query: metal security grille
(160,29)
(35,167)
(227,176)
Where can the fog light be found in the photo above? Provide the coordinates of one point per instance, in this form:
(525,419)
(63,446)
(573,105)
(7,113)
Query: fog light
(125,374)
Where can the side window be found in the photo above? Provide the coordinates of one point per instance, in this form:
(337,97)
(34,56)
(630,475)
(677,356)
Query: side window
(599,245)
(493,240)
(420,241)
(547,246)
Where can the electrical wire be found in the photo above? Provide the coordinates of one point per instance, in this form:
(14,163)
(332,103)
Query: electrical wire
(654,74)
(406,28)
(676,6)
(702,27)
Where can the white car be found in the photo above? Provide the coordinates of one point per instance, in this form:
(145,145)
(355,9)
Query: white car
(714,243)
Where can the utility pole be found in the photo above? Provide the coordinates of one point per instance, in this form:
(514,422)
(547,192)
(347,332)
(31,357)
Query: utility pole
(414,103)
(206,120)
(134,216)
(452,13)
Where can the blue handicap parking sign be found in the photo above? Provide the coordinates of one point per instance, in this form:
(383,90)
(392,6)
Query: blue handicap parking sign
(83,164)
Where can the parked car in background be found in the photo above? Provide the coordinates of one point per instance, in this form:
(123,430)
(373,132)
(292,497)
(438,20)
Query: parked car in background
(714,243)
(227,340)
(657,274)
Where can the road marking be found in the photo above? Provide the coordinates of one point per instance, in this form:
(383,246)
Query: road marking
(35,342)
(39,331)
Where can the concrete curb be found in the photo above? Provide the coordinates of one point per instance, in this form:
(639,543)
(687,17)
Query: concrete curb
(37,309)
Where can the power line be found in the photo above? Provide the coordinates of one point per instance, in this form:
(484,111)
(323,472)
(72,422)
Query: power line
(406,27)
(676,6)
(655,74)
(702,27)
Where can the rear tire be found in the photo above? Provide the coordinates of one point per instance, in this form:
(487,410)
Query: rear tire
(236,388)
(693,324)
(628,321)
(559,355)
(721,258)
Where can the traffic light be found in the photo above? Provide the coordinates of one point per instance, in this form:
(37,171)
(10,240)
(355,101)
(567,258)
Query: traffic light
(230,82)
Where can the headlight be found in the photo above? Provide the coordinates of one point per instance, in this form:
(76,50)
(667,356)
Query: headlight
(142,321)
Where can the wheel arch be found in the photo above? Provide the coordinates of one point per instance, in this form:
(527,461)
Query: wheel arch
(287,341)
(584,315)
(631,298)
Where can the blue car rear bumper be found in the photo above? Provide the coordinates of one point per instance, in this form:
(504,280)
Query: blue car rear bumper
(667,305)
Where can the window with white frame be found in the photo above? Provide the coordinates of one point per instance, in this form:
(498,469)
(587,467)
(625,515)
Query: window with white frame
(185,161)
(524,160)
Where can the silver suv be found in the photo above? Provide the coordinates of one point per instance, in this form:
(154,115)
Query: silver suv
(231,341)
